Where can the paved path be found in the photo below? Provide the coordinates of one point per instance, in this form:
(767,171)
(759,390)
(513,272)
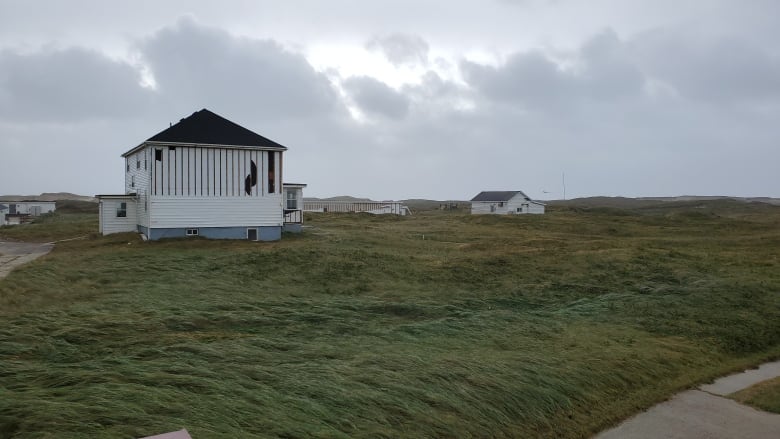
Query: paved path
(705,413)
(14,254)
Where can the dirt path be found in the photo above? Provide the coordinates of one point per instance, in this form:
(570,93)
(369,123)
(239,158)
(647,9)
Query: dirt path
(14,254)
(705,413)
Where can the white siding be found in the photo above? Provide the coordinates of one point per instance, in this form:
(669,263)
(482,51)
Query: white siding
(536,208)
(480,207)
(238,211)
(509,207)
(110,223)
(199,171)
(138,180)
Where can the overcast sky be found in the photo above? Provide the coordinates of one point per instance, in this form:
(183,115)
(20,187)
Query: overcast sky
(405,99)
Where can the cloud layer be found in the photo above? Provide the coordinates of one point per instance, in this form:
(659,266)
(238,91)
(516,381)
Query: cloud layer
(663,111)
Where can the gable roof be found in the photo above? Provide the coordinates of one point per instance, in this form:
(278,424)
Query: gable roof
(498,195)
(205,127)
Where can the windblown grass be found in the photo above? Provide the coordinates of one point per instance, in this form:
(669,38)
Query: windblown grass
(764,395)
(437,325)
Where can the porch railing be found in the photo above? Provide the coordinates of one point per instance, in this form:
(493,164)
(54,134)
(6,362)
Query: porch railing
(293,216)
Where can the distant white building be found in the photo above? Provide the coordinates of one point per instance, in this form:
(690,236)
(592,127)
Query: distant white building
(505,203)
(204,176)
(375,207)
(16,212)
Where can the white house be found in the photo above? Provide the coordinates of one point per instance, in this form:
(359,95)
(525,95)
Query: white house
(505,203)
(204,176)
(16,212)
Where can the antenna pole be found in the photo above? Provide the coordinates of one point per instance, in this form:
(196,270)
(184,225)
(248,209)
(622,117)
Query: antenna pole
(563,179)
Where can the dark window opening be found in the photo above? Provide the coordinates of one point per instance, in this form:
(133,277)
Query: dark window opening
(132,181)
(192,232)
(122,211)
(271,169)
(128,165)
(137,163)
(172,148)
(158,155)
(251,234)
(145,168)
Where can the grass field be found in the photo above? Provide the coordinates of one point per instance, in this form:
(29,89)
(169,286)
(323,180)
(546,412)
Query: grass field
(437,325)
(763,396)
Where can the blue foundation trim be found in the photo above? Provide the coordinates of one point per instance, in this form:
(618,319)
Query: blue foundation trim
(264,233)
(293,228)
(270,233)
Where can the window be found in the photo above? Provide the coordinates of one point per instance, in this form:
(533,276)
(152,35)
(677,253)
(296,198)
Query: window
(128,164)
(292,200)
(132,181)
(137,163)
(519,209)
(158,155)
(192,232)
(492,207)
(145,168)
(122,211)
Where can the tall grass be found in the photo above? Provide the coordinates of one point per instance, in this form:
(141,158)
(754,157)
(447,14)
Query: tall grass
(433,325)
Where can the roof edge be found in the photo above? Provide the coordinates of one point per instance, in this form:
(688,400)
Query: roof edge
(202,145)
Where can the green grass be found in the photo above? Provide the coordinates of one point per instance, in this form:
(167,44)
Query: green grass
(438,324)
(764,395)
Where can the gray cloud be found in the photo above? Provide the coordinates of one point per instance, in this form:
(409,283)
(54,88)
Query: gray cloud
(196,66)
(601,69)
(528,77)
(719,68)
(401,49)
(59,85)
(376,98)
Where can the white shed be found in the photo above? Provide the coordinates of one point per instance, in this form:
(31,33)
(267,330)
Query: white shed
(505,203)
(17,212)
(117,213)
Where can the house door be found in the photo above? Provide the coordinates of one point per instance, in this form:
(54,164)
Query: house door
(251,234)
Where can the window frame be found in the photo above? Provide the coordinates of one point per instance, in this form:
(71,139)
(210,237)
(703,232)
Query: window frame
(121,211)
(291,196)
(192,231)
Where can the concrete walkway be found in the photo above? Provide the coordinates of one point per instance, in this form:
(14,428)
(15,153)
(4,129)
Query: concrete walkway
(14,254)
(706,413)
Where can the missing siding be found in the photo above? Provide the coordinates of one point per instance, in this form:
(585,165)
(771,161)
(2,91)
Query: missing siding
(251,179)
(158,155)
(253,172)
(271,179)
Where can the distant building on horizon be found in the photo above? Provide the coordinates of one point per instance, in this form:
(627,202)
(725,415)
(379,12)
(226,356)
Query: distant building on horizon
(204,176)
(21,211)
(505,203)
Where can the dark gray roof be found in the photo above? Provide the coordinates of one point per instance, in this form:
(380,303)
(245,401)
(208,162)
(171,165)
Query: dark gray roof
(205,127)
(498,195)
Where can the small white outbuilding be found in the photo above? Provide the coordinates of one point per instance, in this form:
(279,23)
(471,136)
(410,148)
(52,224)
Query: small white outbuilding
(505,203)
(17,212)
